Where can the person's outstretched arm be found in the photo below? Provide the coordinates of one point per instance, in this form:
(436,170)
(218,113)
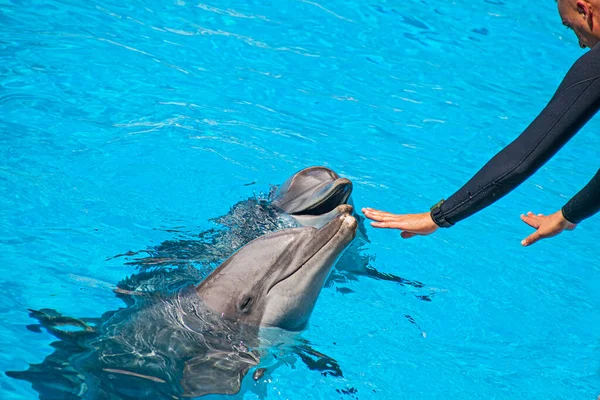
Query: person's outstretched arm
(582,206)
(576,100)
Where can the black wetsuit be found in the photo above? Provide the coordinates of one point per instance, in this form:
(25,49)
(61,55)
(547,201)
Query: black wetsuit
(574,103)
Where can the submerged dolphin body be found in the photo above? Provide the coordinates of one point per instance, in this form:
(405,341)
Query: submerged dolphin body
(201,339)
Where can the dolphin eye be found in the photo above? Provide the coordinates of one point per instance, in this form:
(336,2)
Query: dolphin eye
(245,304)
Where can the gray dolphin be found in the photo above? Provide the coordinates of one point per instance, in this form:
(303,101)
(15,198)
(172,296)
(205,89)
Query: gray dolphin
(313,196)
(201,339)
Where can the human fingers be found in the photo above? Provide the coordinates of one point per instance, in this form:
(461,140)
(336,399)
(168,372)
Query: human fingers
(408,223)
(369,212)
(383,216)
(532,214)
(389,224)
(531,239)
(380,218)
(531,220)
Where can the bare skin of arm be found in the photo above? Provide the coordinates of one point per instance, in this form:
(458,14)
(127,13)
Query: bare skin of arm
(410,224)
(546,226)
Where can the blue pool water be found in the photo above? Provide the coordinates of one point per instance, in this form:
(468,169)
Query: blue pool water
(124,124)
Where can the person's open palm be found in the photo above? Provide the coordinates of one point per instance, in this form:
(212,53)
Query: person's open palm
(410,224)
(546,226)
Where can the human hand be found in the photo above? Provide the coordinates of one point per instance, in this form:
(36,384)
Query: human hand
(410,224)
(546,226)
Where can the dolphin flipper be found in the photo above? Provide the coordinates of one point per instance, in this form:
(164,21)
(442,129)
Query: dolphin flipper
(384,276)
(317,361)
(54,322)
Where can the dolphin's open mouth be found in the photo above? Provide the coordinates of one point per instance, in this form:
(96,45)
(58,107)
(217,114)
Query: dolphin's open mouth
(333,228)
(332,195)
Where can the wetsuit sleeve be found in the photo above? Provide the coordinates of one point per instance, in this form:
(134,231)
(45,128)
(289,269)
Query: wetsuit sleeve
(576,100)
(585,203)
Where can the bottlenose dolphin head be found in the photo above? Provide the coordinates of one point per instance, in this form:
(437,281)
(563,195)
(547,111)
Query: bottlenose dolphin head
(312,191)
(275,280)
